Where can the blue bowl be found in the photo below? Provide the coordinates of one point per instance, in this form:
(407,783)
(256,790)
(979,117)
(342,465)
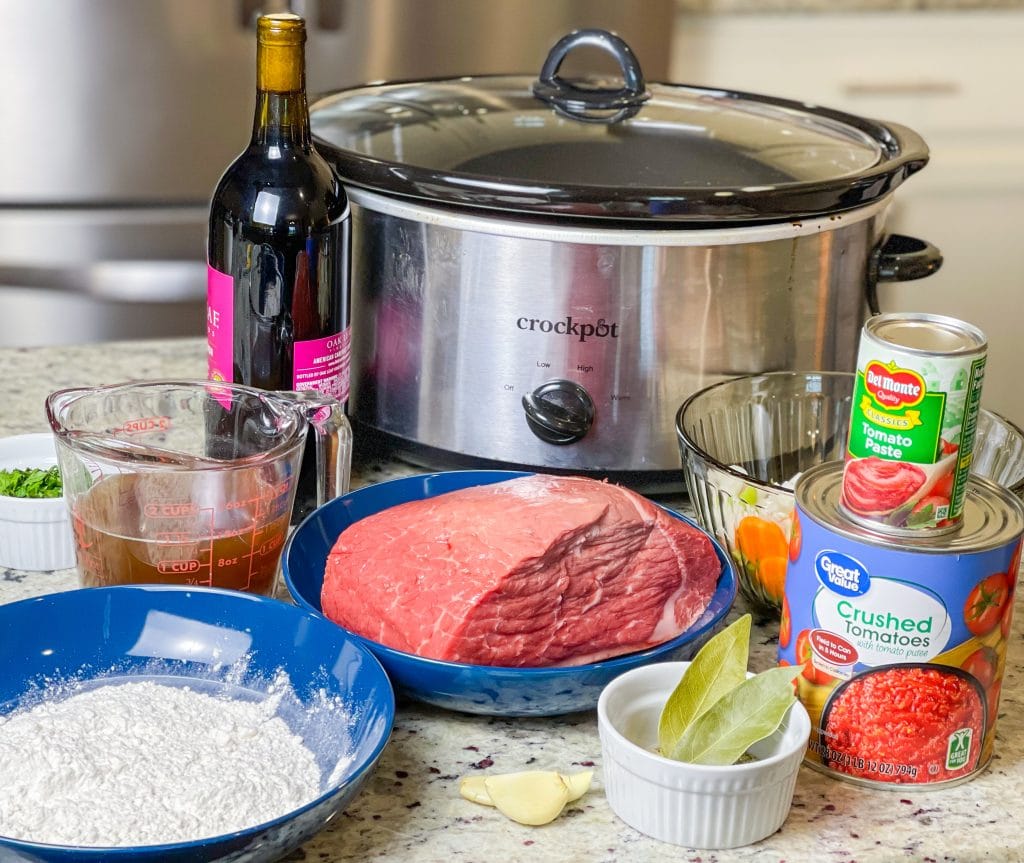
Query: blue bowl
(481,689)
(198,637)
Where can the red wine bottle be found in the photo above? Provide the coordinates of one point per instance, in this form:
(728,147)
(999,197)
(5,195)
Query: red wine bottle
(278,243)
(278,262)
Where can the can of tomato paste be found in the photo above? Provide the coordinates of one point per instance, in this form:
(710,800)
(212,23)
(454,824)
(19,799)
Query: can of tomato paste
(912,421)
(903,641)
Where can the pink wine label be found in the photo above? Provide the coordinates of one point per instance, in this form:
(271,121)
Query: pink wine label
(322,365)
(220,304)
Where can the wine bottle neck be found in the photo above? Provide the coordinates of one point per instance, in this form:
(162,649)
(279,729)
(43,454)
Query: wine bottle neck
(282,114)
(282,120)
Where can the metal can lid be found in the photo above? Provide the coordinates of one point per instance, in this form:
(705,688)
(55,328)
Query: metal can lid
(926,334)
(992,516)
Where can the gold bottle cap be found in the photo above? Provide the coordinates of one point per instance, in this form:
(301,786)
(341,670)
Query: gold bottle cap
(279,60)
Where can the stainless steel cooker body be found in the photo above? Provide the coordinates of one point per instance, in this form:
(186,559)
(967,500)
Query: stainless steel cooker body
(568,348)
(545,268)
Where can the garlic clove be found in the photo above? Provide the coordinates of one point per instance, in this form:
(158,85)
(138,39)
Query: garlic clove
(577,783)
(473,789)
(533,797)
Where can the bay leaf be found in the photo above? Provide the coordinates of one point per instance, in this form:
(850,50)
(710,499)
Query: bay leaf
(718,668)
(748,713)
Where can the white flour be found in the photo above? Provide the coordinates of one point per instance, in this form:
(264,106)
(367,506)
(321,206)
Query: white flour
(144,763)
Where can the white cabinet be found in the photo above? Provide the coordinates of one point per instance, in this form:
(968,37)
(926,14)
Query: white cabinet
(956,78)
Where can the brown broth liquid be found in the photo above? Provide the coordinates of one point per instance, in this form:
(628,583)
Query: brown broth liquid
(134,529)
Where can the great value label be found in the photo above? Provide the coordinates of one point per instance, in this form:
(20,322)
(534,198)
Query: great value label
(889,637)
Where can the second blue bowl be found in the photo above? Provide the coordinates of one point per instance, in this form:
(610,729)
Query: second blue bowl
(481,689)
(219,641)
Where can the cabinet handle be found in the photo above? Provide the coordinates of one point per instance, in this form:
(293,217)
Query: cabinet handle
(858,89)
(250,10)
(319,14)
(129,281)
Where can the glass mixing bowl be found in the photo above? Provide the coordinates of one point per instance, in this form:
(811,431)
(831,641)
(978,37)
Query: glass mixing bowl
(745,441)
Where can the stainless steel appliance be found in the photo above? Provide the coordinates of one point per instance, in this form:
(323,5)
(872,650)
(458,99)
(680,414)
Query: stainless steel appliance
(121,115)
(543,269)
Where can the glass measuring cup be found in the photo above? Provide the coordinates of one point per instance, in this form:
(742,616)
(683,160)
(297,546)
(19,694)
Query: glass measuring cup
(190,482)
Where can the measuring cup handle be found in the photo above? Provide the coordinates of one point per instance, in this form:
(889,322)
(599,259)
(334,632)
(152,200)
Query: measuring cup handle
(333,442)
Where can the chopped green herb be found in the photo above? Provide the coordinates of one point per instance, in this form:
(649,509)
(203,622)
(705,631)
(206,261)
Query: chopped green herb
(31,482)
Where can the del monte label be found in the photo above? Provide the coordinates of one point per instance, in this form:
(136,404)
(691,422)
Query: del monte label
(893,387)
(912,422)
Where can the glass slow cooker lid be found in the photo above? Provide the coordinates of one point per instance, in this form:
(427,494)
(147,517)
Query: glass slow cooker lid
(613,150)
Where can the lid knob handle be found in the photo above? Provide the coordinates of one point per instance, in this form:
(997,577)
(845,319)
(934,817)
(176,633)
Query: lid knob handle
(592,104)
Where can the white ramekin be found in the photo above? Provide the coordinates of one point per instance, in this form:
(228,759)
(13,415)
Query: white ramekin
(689,804)
(35,533)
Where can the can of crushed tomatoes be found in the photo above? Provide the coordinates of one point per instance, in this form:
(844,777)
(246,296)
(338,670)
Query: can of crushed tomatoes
(913,416)
(903,641)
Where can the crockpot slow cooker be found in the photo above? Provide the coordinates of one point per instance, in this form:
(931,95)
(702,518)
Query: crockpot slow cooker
(544,269)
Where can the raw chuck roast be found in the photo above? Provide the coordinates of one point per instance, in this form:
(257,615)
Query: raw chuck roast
(537,570)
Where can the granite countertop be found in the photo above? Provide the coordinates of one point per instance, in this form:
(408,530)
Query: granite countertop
(410,809)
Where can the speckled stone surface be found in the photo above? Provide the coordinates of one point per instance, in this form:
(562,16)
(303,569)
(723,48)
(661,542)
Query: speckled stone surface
(410,810)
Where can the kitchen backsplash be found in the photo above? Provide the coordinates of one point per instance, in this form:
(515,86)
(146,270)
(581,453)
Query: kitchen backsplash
(744,6)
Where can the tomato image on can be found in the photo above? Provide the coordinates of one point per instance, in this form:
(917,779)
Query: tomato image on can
(987,603)
(912,422)
(905,723)
(901,640)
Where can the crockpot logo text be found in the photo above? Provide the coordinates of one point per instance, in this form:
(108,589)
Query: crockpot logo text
(570,326)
